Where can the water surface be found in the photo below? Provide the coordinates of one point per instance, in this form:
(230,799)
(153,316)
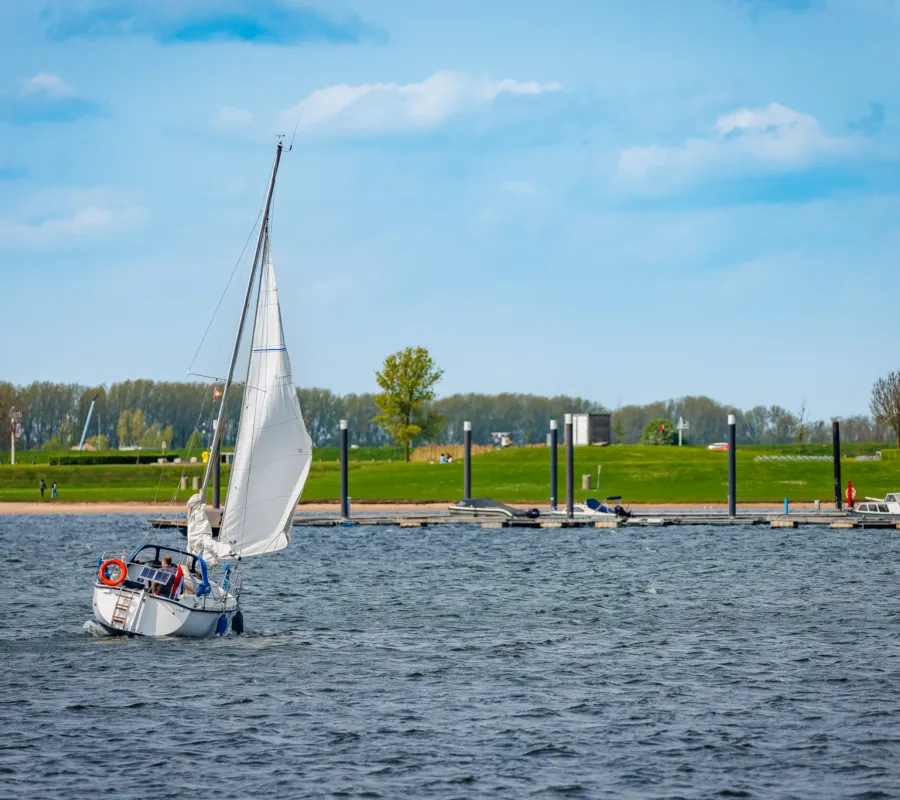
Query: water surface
(454,662)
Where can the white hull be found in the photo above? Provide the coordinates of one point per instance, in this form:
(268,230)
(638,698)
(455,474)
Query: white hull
(141,613)
(580,511)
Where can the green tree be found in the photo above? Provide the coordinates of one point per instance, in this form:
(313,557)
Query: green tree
(138,428)
(407,381)
(659,431)
(123,428)
(54,444)
(885,403)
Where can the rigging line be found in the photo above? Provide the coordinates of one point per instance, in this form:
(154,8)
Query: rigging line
(154,526)
(225,290)
(184,466)
(294,134)
(215,378)
(233,383)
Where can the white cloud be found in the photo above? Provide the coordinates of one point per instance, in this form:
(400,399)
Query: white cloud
(774,138)
(379,107)
(85,223)
(47,84)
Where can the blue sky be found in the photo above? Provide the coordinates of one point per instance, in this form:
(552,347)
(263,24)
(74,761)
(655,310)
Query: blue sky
(626,201)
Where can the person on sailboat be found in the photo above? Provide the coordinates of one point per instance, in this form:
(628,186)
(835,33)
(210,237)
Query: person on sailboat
(165,589)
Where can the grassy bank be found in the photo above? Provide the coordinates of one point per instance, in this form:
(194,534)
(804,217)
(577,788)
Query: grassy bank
(639,474)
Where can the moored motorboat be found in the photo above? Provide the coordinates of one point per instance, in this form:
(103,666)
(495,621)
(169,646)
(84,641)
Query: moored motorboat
(486,508)
(593,509)
(874,508)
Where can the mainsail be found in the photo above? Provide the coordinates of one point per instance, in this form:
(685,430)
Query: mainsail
(273,450)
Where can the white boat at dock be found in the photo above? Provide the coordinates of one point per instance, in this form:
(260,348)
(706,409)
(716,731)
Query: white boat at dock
(592,509)
(873,507)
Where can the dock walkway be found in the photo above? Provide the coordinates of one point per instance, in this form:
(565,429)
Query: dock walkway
(655,519)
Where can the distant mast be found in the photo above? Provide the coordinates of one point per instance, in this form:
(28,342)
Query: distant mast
(219,427)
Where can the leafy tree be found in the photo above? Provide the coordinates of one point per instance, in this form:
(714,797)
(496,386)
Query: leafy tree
(193,442)
(137,427)
(123,428)
(53,444)
(322,411)
(659,431)
(885,403)
(407,381)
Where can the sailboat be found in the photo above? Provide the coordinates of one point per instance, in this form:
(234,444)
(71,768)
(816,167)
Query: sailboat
(166,591)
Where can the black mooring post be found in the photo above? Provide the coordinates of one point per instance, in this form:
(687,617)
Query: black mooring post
(836,445)
(217,474)
(467,461)
(570,468)
(732,466)
(345,500)
(554,478)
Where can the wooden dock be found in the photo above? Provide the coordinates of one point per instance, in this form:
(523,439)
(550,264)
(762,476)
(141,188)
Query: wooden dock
(824,519)
(659,519)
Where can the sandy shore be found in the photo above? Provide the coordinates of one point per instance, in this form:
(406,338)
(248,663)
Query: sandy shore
(48,507)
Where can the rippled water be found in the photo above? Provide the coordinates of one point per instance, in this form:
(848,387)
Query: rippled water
(452,662)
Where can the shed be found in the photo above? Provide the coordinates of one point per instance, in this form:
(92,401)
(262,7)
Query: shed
(591,428)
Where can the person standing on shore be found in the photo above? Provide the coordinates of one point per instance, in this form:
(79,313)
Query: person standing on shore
(43,487)
(53,493)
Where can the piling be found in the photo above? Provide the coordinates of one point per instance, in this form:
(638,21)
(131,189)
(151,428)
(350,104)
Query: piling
(182,484)
(836,455)
(345,501)
(195,484)
(732,466)
(467,460)
(554,442)
(570,467)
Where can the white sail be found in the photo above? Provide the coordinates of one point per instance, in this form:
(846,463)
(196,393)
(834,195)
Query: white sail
(273,450)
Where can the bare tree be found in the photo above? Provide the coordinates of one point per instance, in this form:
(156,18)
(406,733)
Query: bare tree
(801,424)
(885,403)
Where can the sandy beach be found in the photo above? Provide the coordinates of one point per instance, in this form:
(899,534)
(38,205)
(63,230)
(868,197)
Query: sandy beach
(52,507)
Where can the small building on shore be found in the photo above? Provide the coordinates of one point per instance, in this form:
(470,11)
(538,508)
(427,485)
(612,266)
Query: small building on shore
(591,429)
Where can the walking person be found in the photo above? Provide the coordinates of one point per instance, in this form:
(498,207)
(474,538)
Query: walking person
(53,493)
(43,487)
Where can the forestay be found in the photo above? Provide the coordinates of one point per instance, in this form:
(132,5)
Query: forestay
(273,450)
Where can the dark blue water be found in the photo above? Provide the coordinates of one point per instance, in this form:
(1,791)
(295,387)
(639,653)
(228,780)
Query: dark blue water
(458,662)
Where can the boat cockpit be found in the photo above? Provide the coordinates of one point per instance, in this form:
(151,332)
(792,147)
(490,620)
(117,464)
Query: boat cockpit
(182,571)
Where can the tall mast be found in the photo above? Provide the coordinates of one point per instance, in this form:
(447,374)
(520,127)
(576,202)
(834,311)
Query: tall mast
(219,428)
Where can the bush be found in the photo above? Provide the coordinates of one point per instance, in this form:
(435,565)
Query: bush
(659,431)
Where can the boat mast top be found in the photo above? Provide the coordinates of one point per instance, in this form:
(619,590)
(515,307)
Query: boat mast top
(219,429)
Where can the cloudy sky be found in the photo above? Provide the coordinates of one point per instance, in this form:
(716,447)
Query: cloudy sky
(625,201)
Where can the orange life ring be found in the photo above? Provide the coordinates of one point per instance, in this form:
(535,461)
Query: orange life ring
(110,562)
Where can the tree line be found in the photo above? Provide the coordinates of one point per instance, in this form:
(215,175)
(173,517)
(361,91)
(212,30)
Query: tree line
(57,411)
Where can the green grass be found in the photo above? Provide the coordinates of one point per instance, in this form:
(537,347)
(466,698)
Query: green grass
(639,474)
(128,457)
